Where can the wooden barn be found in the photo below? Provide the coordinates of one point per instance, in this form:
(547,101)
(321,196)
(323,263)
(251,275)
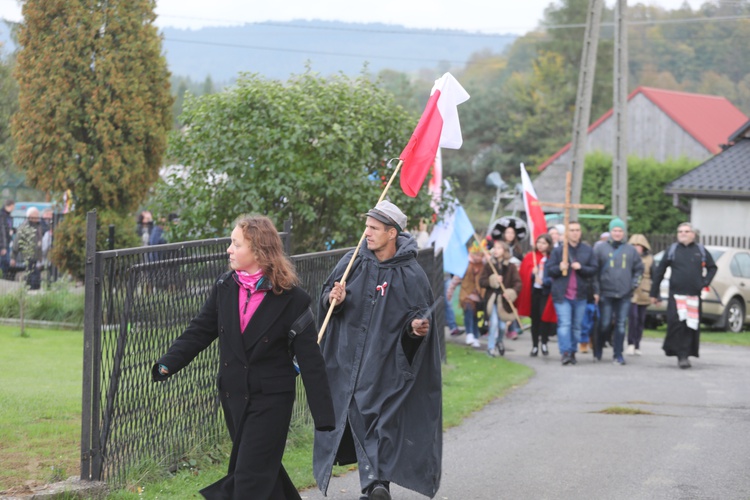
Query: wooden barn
(662,124)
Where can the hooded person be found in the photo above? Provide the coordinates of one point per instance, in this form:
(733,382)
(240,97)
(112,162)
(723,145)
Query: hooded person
(382,355)
(641,299)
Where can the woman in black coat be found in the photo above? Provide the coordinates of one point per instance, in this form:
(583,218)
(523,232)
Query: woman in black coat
(252,309)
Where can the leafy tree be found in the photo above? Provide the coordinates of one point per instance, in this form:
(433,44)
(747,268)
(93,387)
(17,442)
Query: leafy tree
(8,106)
(537,111)
(94,105)
(406,93)
(181,85)
(311,149)
(568,42)
(650,211)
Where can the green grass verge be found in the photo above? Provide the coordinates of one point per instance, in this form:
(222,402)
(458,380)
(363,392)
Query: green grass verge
(40,416)
(471,379)
(40,405)
(715,337)
(55,303)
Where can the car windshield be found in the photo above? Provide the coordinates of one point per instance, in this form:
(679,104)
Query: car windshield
(716,254)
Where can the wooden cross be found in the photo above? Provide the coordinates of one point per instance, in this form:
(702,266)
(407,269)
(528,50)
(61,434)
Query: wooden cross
(566,219)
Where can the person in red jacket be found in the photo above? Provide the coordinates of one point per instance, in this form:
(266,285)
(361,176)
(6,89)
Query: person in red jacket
(534,299)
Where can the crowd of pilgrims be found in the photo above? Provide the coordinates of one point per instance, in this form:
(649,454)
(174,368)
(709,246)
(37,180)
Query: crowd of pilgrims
(502,284)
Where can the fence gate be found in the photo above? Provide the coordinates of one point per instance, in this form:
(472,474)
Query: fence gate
(137,301)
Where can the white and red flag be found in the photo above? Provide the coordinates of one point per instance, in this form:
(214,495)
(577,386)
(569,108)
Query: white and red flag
(438,127)
(534,213)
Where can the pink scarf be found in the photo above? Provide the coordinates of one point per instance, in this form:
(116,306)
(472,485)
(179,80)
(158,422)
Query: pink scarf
(253,288)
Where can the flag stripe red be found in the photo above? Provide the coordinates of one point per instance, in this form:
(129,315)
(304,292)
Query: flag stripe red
(419,154)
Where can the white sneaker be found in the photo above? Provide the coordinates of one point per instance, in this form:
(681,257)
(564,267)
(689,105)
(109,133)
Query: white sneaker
(637,352)
(476,343)
(470,339)
(630,350)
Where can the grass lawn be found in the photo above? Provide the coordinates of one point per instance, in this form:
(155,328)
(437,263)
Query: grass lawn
(707,335)
(40,416)
(40,413)
(463,393)
(40,405)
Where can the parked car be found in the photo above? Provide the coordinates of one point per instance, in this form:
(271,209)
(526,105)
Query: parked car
(726,301)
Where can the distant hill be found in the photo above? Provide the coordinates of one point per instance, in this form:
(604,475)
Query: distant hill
(276,49)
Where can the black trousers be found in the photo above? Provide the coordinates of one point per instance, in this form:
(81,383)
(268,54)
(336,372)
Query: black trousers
(680,340)
(255,470)
(539,328)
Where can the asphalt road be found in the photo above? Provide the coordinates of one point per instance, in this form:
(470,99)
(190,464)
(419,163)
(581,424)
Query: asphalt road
(549,438)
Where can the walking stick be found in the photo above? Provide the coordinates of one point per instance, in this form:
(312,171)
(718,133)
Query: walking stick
(494,270)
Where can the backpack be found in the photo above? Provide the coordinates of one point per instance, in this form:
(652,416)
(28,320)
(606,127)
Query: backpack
(673,248)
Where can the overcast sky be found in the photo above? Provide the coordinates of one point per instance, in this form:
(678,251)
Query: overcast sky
(490,16)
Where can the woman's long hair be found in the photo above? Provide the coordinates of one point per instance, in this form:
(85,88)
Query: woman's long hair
(266,245)
(546,237)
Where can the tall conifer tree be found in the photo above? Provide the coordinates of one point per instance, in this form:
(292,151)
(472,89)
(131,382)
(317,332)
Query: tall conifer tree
(95,106)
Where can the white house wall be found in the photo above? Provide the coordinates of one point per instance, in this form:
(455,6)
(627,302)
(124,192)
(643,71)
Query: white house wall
(721,217)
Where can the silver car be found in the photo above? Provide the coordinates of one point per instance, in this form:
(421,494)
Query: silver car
(726,301)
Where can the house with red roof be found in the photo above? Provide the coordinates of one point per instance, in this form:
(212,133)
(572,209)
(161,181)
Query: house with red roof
(662,124)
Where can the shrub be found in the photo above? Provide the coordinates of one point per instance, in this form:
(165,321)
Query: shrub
(69,251)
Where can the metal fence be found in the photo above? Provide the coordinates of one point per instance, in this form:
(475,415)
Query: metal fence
(138,301)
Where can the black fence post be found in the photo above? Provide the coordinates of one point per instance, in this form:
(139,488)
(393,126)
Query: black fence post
(90,353)
(288,239)
(111,239)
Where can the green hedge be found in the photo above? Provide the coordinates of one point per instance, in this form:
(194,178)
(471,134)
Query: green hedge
(650,211)
(60,306)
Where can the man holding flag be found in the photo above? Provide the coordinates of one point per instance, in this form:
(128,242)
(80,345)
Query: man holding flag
(382,355)
(381,348)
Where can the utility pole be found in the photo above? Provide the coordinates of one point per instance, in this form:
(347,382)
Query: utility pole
(620,154)
(583,99)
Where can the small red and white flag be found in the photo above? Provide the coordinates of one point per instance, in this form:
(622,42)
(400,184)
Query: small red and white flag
(534,213)
(438,127)
(435,184)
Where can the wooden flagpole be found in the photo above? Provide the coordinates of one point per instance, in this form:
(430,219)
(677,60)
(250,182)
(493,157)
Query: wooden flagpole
(494,270)
(354,255)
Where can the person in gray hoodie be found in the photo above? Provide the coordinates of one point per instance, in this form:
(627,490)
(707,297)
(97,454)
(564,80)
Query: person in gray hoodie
(619,272)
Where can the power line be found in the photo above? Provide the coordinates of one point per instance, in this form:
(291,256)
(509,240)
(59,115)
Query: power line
(655,22)
(545,38)
(404,31)
(303,51)
(449,32)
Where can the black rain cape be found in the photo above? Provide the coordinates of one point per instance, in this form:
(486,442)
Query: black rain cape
(386,385)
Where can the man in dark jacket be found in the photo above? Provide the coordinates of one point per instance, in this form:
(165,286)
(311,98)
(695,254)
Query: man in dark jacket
(28,247)
(692,269)
(6,235)
(620,271)
(382,355)
(570,289)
